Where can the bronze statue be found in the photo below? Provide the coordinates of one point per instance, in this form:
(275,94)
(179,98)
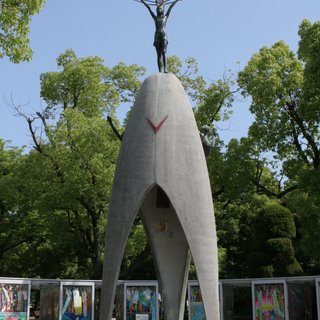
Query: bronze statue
(160,37)
(208,139)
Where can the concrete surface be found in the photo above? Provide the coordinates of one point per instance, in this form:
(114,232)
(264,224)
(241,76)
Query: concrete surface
(162,148)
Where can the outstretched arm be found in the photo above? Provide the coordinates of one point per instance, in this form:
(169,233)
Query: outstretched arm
(170,8)
(148,7)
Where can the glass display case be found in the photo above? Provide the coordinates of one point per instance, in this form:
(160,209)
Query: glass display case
(302,301)
(77,301)
(118,311)
(237,301)
(49,302)
(195,305)
(196,308)
(118,308)
(141,300)
(269,300)
(14,299)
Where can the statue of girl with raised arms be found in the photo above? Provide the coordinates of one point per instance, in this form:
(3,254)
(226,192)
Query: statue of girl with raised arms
(160,37)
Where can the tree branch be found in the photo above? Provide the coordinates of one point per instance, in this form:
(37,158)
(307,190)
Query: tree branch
(17,244)
(262,189)
(298,145)
(286,191)
(37,144)
(81,157)
(114,129)
(311,142)
(217,193)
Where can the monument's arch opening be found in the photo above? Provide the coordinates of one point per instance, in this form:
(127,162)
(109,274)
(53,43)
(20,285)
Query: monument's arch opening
(169,247)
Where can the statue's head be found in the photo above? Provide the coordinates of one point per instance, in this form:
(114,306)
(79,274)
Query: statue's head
(205,129)
(160,10)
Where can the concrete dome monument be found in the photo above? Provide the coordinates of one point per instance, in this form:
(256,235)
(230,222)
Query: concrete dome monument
(162,175)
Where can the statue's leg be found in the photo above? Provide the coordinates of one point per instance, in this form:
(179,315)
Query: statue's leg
(164,62)
(164,52)
(159,54)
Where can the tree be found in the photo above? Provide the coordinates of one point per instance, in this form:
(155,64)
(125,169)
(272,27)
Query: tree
(65,181)
(9,219)
(257,233)
(212,101)
(281,84)
(271,251)
(62,186)
(15,17)
(239,172)
(284,88)
(67,177)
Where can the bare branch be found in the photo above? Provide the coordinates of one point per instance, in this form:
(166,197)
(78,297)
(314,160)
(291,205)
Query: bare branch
(262,189)
(286,191)
(290,107)
(17,244)
(37,144)
(221,104)
(114,129)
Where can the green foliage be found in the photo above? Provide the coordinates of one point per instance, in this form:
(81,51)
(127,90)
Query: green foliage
(272,252)
(285,92)
(65,181)
(275,221)
(15,17)
(309,47)
(88,85)
(283,88)
(21,230)
(138,260)
(137,237)
(306,203)
(273,79)
(68,182)
(212,100)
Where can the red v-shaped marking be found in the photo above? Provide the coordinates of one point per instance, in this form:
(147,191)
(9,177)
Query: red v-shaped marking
(158,127)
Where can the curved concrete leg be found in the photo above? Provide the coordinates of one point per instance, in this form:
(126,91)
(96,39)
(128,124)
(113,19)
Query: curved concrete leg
(120,220)
(199,230)
(115,246)
(171,254)
(207,272)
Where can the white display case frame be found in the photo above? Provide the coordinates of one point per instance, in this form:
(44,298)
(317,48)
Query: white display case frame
(317,283)
(77,284)
(262,282)
(136,283)
(221,300)
(196,283)
(20,282)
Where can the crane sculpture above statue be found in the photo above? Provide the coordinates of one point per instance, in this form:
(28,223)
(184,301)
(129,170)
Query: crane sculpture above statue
(160,20)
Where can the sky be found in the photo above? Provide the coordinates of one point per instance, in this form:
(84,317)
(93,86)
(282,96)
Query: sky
(221,35)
